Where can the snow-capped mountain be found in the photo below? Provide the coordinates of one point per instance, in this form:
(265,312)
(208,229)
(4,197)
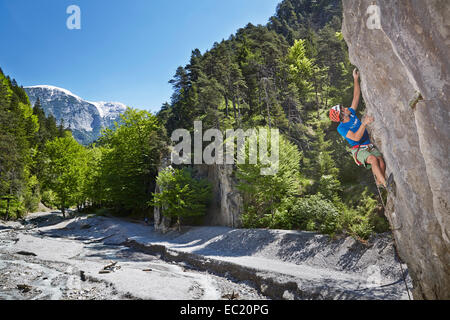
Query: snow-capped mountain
(84,118)
(109,111)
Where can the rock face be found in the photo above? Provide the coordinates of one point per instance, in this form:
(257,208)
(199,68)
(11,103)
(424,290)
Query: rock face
(84,118)
(226,206)
(404,66)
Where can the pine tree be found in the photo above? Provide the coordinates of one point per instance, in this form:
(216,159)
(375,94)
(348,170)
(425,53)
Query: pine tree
(17,128)
(264,194)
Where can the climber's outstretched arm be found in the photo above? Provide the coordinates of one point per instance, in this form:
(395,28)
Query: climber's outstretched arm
(356,90)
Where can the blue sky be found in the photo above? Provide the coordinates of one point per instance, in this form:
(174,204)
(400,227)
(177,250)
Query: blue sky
(126,51)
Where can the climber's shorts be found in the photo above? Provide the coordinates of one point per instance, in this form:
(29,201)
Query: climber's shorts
(363,154)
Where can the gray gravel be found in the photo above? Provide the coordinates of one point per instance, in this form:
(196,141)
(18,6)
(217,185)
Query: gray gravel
(196,263)
(64,268)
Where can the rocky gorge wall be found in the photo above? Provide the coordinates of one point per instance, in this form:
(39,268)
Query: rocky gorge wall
(402,50)
(227,204)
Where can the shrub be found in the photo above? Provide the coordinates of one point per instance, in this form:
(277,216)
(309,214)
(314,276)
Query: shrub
(365,219)
(250,218)
(314,213)
(31,195)
(181,195)
(374,211)
(329,186)
(16,209)
(355,224)
(311,213)
(48,198)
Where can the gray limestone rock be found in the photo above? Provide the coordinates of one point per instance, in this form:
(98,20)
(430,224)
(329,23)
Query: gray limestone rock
(404,67)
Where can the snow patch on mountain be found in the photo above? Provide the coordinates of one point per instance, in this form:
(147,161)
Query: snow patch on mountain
(86,119)
(55,91)
(109,110)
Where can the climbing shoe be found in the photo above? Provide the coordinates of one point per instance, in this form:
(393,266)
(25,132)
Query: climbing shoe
(381,186)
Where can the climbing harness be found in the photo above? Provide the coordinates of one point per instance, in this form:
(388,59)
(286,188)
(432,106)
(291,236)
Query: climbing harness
(395,248)
(361,147)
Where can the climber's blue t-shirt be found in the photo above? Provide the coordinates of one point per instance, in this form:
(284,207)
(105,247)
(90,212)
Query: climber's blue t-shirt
(353,125)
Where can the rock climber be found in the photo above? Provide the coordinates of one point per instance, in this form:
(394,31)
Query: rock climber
(354,131)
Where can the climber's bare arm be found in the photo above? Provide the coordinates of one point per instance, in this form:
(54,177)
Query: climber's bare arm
(356,90)
(356,136)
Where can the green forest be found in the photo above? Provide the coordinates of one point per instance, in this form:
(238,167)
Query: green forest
(286,75)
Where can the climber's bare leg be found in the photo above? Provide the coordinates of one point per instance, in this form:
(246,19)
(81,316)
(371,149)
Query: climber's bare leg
(382,165)
(373,161)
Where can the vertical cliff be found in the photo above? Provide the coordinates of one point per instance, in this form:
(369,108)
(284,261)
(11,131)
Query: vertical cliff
(402,50)
(227,204)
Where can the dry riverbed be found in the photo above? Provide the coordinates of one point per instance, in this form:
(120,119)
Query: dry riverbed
(93,257)
(40,259)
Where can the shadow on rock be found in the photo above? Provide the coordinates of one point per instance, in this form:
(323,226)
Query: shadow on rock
(44,220)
